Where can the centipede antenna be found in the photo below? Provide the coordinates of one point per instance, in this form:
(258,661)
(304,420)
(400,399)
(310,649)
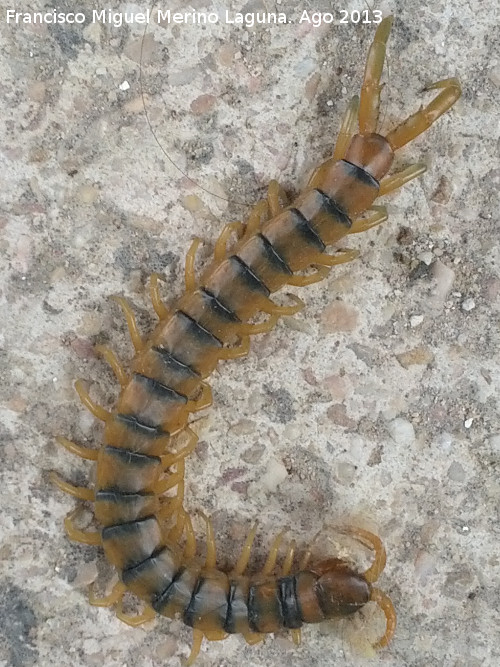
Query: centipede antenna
(155,136)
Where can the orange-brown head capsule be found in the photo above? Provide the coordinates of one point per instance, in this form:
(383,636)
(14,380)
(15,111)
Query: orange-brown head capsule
(372,153)
(340,590)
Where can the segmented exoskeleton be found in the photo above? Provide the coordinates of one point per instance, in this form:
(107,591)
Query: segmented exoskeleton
(281,244)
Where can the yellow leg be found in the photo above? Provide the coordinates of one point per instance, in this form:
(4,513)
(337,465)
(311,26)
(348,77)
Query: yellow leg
(175,533)
(423,119)
(108,600)
(173,457)
(203,401)
(85,537)
(154,292)
(296,636)
(211,556)
(343,255)
(276,198)
(347,129)
(242,562)
(79,450)
(189,272)
(237,351)
(288,562)
(377,217)
(76,491)
(369,102)
(391,183)
(320,273)
(305,559)
(166,484)
(215,635)
(137,341)
(261,327)
(307,554)
(220,249)
(270,563)
(175,479)
(147,615)
(385,603)
(374,543)
(108,355)
(195,648)
(95,409)
(253,638)
(258,215)
(274,309)
(190,546)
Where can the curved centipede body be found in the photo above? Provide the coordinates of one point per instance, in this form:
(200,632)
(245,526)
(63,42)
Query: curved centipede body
(281,244)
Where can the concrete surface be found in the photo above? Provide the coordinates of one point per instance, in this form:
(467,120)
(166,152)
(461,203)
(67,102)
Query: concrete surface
(378,404)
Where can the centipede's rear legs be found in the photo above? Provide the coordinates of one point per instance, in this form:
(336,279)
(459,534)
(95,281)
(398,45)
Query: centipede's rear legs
(415,124)
(371,575)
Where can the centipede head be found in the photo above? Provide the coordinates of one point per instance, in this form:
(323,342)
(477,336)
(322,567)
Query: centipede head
(340,590)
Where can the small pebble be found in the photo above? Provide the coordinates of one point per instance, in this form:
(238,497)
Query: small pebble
(401,431)
(495,442)
(124,85)
(468,422)
(416,320)
(444,277)
(274,475)
(418,356)
(456,472)
(426,257)
(468,304)
(339,316)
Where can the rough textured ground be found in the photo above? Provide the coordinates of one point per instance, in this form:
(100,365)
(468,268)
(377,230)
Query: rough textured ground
(378,404)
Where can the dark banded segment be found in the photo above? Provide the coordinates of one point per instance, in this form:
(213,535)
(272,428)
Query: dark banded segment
(325,215)
(360,174)
(203,335)
(143,429)
(208,604)
(236,620)
(252,281)
(265,263)
(128,544)
(235,285)
(188,616)
(155,573)
(159,390)
(273,256)
(112,507)
(292,234)
(290,608)
(334,210)
(128,432)
(175,366)
(350,186)
(306,230)
(191,343)
(220,309)
(126,472)
(161,364)
(211,313)
(264,608)
(150,401)
(177,595)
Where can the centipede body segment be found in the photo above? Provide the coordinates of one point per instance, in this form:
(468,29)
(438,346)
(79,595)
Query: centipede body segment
(147,535)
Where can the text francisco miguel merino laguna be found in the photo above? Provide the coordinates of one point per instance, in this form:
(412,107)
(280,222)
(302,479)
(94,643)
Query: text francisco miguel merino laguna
(117,19)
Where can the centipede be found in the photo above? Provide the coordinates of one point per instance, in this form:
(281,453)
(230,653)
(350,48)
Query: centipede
(138,493)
